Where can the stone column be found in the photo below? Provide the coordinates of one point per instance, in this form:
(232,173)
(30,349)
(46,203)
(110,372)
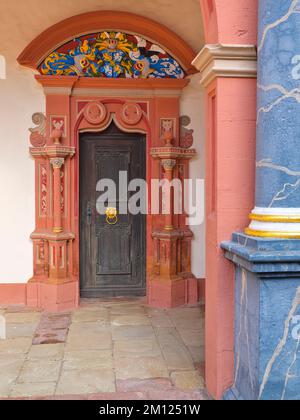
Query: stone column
(267,257)
(169,286)
(169,165)
(57,164)
(277,211)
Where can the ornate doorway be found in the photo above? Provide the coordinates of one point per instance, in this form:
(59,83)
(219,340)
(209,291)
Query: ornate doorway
(134,77)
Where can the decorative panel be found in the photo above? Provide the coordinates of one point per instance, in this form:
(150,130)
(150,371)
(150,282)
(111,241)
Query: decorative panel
(112,55)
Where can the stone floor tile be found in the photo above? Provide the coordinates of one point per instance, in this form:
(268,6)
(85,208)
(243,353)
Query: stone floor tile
(40,371)
(192,337)
(176,395)
(118,396)
(88,315)
(137,348)
(133,333)
(198,353)
(135,319)
(15,345)
(88,359)
(20,330)
(26,390)
(127,310)
(140,368)
(99,341)
(175,352)
(50,352)
(144,385)
(6,387)
(22,317)
(86,382)
(52,329)
(187,381)
(87,328)
(159,318)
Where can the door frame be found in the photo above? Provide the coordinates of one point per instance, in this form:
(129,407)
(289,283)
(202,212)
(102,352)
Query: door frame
(142,139)
(75,105)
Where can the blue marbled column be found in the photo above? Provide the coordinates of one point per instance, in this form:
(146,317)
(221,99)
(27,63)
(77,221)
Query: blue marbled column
(278,122)
(267,318)
(267,258)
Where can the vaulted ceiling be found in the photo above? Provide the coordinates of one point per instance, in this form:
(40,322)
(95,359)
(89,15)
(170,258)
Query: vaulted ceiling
(22,21)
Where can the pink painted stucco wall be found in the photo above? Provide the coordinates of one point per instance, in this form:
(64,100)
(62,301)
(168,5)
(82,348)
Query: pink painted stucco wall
(230,160)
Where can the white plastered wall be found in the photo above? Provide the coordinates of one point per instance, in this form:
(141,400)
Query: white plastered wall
(20,97)
(192,105)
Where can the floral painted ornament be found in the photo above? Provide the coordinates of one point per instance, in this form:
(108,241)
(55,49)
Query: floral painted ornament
(112,55)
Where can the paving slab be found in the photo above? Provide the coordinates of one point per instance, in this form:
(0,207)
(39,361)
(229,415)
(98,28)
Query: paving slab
(89,315)
(32,389)
(15,345)
(140,368)
(97,341)
(134,319)
(22,317)
(133,333)
(188,381)
(136,348)
(20,330)
(86,382)
(52,352)
(39,371)
(88,359)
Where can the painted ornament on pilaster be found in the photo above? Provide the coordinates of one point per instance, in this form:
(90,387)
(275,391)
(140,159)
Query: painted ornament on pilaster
(112,55)
(43,190)
(186,135)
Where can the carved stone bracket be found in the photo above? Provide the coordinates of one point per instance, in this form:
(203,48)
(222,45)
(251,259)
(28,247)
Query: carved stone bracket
(38,133)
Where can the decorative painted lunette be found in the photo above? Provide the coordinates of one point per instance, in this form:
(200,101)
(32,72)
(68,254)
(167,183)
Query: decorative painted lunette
(111,55)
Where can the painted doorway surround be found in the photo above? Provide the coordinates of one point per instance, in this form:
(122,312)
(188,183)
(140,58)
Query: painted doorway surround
(84,93)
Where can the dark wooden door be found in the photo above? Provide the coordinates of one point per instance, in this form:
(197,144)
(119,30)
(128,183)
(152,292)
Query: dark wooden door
(112,257)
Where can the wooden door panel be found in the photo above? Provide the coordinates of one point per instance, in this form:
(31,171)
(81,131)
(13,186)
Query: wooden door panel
(114,251)
(112,257)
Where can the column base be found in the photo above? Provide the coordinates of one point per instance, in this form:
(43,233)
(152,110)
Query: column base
(53,297)
(166,294)
(267,318)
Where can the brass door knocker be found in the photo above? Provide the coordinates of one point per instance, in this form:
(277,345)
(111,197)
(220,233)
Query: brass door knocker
(111,215)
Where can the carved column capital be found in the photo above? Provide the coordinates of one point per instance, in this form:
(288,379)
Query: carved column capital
(57,163)
(169,164)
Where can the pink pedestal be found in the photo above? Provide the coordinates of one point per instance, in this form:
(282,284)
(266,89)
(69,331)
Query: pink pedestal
(52,297)
(170,294)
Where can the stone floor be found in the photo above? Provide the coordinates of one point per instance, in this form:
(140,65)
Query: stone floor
(104,350)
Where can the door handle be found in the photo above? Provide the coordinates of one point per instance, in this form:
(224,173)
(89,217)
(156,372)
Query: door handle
(89,214)
(111,215)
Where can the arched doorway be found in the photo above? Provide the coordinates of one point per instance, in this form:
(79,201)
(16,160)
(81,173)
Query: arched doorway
(135,76)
